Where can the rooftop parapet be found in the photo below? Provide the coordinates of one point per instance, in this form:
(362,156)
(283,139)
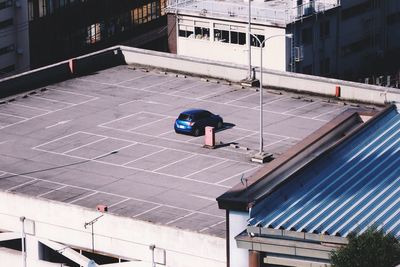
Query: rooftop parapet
(280,12)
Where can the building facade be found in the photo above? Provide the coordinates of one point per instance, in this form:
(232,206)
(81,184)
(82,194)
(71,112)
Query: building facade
(14,37)
(63,29)
(354,40)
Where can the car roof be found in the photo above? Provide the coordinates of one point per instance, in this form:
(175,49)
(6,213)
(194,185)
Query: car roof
(193,111)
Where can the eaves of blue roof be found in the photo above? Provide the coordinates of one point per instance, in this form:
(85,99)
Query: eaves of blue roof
(349,188)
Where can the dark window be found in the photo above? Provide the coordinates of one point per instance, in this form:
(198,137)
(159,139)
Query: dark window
(255,42)
(5,4)
(202,33)
(238,38)
(184,117)
(221,36)
(359,9)
(185,33)
(6,23)
(357,46)
(7,49)
(324,29)
(306,35)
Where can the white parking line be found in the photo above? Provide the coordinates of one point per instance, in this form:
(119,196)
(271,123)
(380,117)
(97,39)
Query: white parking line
(136,78)
(112,194)
(152,122)
(211,226)
(49,99)
(144,212)
(240,98)
(209,167)
(148,155)
(85,145)
(25,106)
(180,218)
(308,104)
(15,116)
(157,84)
(55,140)
(21,185)
(172,163)
(51,191)
(120,202)
(326,113)
(83,197)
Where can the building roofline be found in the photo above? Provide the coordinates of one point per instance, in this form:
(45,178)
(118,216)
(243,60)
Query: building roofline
(267,179)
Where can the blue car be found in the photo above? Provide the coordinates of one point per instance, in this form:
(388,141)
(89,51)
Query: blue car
(194,121)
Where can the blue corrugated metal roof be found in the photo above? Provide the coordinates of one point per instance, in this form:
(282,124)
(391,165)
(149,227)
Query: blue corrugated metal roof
(349,188)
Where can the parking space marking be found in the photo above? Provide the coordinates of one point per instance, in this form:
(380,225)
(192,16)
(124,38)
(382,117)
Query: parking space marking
(148,155)
(115,204)
(15,116)
(161,134)
(276,142)
(106,193)
(230,177)
(305,105)
(88,144)
(147,124)
(83,197)
(49,99)
(51,191)
(326,113)
(54,140)
(146,211)
(23,184)
(144,101)
(179,218)
(172,163)
(157,84)
(243,97)
(209,167)
(26,106)
(136,78)
(211,226)
(210,101)
(184,89)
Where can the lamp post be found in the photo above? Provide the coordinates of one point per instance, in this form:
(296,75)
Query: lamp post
(260,157)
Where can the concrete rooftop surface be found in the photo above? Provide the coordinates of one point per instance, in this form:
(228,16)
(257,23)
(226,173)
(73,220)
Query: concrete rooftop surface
(108,138)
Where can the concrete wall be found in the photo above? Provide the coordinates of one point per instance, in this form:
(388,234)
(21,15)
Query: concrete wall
(120,236)
(238,257)
(275,79)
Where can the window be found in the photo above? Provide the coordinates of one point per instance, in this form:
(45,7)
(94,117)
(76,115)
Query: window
(306,35)
(6,23)
(359,9)
(221,36)
(357,46)
(5,4)
(94,33)
(255,42)
(186,31)
(393,18)
(202,33)
(238,38)
(324,29)
(7,49)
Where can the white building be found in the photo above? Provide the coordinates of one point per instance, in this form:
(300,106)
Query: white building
(218,30)
(351,40)
(14,37)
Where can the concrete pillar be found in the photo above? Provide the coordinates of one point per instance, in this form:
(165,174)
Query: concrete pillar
(254,258)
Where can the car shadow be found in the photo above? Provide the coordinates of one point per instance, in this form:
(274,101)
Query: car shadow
(225,126)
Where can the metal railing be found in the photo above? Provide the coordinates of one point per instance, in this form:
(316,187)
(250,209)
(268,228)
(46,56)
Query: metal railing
(239,10)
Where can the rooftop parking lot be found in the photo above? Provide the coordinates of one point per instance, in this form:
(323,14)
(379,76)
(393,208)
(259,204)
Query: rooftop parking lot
(108,138)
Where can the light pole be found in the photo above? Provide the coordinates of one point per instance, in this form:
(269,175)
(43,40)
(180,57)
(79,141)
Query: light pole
(260,157)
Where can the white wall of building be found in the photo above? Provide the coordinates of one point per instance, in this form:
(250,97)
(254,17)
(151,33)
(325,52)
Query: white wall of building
(275,54)
(119,236)
(238,257)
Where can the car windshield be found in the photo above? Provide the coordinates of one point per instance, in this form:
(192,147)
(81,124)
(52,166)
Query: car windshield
(184,117)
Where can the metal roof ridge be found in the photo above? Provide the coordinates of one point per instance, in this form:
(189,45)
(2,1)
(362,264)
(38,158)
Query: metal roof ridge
(268,178)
